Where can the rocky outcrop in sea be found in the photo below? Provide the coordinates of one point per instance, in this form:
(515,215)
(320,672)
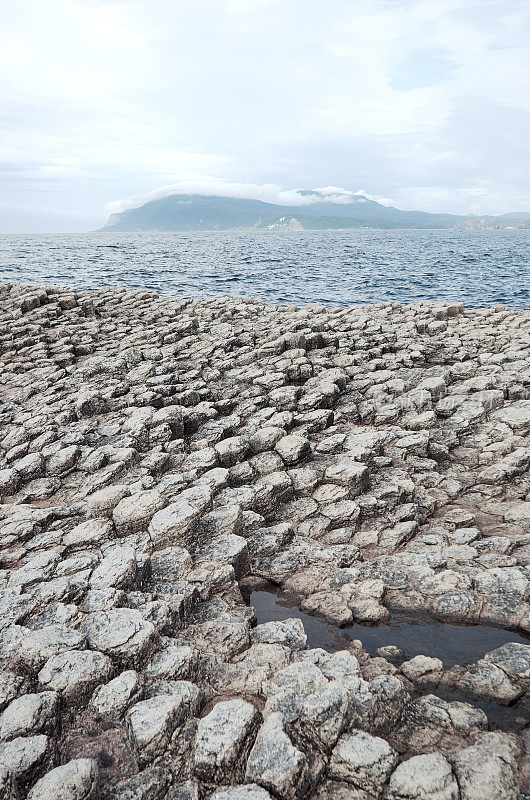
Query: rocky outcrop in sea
(161,459)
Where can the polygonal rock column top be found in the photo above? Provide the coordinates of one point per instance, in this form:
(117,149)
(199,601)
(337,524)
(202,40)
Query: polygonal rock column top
(514,659)
(175,523)
(275,763)
(229,549)
(485,680)
(76,673)
(288,632)
(224,738)
(29,714)
(134,513)
(117,569)
(151,723)
(487,770)
(424,777)
(293,448)
(121,633)
(113,698)
(25,757)
(249,791)
(364,761)
(76,780)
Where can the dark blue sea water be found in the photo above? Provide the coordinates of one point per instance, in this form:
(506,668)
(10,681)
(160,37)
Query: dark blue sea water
(341,268)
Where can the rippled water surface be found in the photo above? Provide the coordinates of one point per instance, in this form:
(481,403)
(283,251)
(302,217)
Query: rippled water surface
(341,268)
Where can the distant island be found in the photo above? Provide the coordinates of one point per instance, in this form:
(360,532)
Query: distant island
(195,212)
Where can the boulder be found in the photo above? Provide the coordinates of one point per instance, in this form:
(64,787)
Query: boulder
(134,513)
(287,632)
(514,659)
(116,570)
(487,770)
(293,448)
(27,756)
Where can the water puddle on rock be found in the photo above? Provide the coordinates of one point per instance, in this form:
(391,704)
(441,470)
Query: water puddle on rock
(452,644)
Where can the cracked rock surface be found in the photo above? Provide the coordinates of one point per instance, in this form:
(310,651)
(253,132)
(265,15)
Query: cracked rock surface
(161,458)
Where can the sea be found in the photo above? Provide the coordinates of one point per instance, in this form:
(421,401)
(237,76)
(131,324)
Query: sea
(336,268)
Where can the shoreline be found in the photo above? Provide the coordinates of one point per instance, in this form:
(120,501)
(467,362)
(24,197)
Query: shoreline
(161,455)
(304,308)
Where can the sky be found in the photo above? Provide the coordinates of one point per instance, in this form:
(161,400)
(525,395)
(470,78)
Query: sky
(423,104)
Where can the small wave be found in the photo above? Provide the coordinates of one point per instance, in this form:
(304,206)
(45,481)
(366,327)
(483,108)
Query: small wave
(332,267)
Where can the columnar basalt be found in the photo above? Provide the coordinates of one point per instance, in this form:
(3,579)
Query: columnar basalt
(160,457)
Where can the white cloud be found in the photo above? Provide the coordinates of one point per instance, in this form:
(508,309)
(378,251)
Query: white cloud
(417,100)
(213,187)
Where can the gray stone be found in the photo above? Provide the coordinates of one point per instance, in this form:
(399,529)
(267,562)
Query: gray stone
(229,549)
(14,607)
(150,784)
(487,770)
(63,460)
(250,791)
(275,763)
(134,513)
(151,723)
(10,686)
(514,659)
(103,502)
(232,450)
(115,697)
(324,715)
(293,448)
(288,632)
(423,777)
(29,714)
(120,633)
(116,570)
(92,532)
(76,780)
(175,523)
(364,761)
(38,568)
(173,662)
(487,681)
(75,674)
(223,741)
(169,565)
(25,756)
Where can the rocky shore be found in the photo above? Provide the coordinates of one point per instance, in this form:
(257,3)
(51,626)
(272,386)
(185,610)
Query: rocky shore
(160,459)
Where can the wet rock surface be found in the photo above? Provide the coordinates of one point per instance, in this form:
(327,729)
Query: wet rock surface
(160,460)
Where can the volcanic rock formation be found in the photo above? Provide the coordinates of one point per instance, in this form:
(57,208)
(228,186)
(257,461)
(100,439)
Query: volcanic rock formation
(162,457)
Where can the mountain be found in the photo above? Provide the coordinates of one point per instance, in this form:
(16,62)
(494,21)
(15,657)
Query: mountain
(194,212)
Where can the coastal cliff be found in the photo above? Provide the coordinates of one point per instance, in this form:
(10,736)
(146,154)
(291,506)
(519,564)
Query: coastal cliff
(162,459)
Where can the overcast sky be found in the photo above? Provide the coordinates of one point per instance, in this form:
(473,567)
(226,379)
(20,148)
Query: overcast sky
(424,103)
